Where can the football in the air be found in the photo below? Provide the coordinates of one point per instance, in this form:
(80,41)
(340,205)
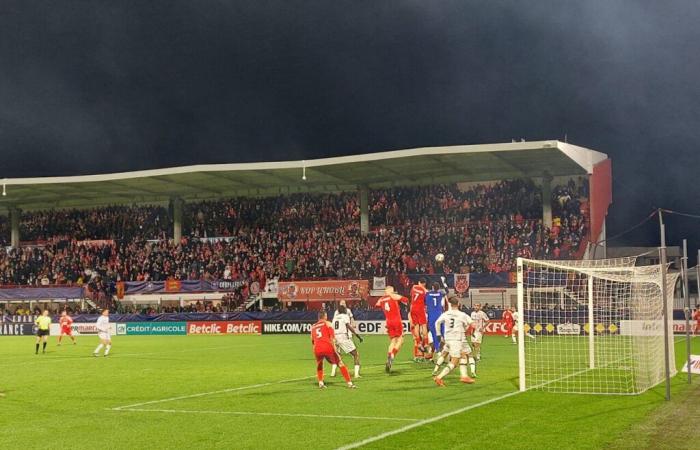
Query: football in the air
(439,257)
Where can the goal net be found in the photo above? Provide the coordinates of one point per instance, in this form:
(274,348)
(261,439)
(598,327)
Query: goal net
(592,326)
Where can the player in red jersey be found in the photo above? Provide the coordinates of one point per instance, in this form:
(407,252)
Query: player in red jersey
(696,317)
(65,323)
(509,323)
(419,320)
(323,341)
(389,303)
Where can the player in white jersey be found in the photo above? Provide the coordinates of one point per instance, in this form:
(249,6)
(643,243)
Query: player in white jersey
(348,311)
(102,326)
(455,340)
(480,321)
(344,330)
(516,315)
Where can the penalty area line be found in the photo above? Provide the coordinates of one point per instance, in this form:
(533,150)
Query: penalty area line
(252,413)
(203,394)
(427,421)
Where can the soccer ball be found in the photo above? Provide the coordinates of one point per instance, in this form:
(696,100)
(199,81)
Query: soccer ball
(439,257)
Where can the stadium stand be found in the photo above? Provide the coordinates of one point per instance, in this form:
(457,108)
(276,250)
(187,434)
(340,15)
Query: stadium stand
(479,227)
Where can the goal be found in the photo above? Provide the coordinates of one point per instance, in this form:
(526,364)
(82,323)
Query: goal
(598,326)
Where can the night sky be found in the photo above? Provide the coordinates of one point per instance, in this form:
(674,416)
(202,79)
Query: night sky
(88,86)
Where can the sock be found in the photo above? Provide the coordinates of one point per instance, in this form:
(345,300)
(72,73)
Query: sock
(446,370)
(37,347)
(390,355)
(426,346)
(463,368)
(319,372)
(345,373)
(472,365)
(107,349)
(43,349)
(333,369)
(99,347)
(357,370)
(394,352)
(440,360)
(513,338)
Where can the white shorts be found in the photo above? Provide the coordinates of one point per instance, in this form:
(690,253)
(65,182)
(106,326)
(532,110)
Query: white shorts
(346,346)
(477,336)
(456,348)
(104,336)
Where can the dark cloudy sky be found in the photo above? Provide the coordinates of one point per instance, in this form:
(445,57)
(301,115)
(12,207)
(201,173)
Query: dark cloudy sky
(89,86)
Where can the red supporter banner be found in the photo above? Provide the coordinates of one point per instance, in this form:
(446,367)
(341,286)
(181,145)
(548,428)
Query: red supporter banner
(173,286)
(316,291)
(121,289)
(461,283)
(221,327)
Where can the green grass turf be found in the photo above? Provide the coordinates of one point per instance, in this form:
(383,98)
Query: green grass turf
(65,399)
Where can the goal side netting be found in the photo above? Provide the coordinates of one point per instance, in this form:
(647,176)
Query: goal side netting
(592,326)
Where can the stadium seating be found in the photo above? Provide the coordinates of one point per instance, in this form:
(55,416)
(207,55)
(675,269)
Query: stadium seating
(480,228)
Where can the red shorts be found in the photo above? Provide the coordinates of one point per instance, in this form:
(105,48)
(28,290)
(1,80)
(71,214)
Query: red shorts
(419,318)
(67,331)
(394,329)
(331,357)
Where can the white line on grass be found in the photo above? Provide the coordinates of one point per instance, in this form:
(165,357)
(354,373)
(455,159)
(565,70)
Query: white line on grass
(425,422)
(223,391)
(202,394)
(250,413)
(429,420)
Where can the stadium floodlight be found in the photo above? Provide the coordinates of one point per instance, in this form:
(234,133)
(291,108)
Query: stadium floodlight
(599,326)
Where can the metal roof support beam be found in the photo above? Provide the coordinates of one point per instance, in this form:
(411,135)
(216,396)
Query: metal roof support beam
(364,209)
(181,184)
(177,205)
(15,214)
(547,199)
(509,164)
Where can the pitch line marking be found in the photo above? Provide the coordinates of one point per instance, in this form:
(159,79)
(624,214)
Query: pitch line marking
(427,421)
(202,394)
(250,413)
(430,420)
(222,391)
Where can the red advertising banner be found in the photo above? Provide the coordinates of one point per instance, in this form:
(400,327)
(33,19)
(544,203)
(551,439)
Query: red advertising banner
(318,291)
(221,327)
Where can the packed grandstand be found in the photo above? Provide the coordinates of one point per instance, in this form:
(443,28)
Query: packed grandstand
(481,228)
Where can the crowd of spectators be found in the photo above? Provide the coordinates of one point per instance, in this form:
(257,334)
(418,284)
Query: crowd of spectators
(479,228)
(114,222)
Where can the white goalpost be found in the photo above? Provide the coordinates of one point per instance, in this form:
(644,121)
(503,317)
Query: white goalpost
(599,326)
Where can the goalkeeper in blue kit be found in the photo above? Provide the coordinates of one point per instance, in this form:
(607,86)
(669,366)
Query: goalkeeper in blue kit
(435,305)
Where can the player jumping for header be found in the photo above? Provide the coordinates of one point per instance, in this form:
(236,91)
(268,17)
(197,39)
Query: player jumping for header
(324,345)
(389,303)
(419,321)
(455,340)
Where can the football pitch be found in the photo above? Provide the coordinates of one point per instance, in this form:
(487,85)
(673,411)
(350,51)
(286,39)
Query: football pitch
(261,392)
